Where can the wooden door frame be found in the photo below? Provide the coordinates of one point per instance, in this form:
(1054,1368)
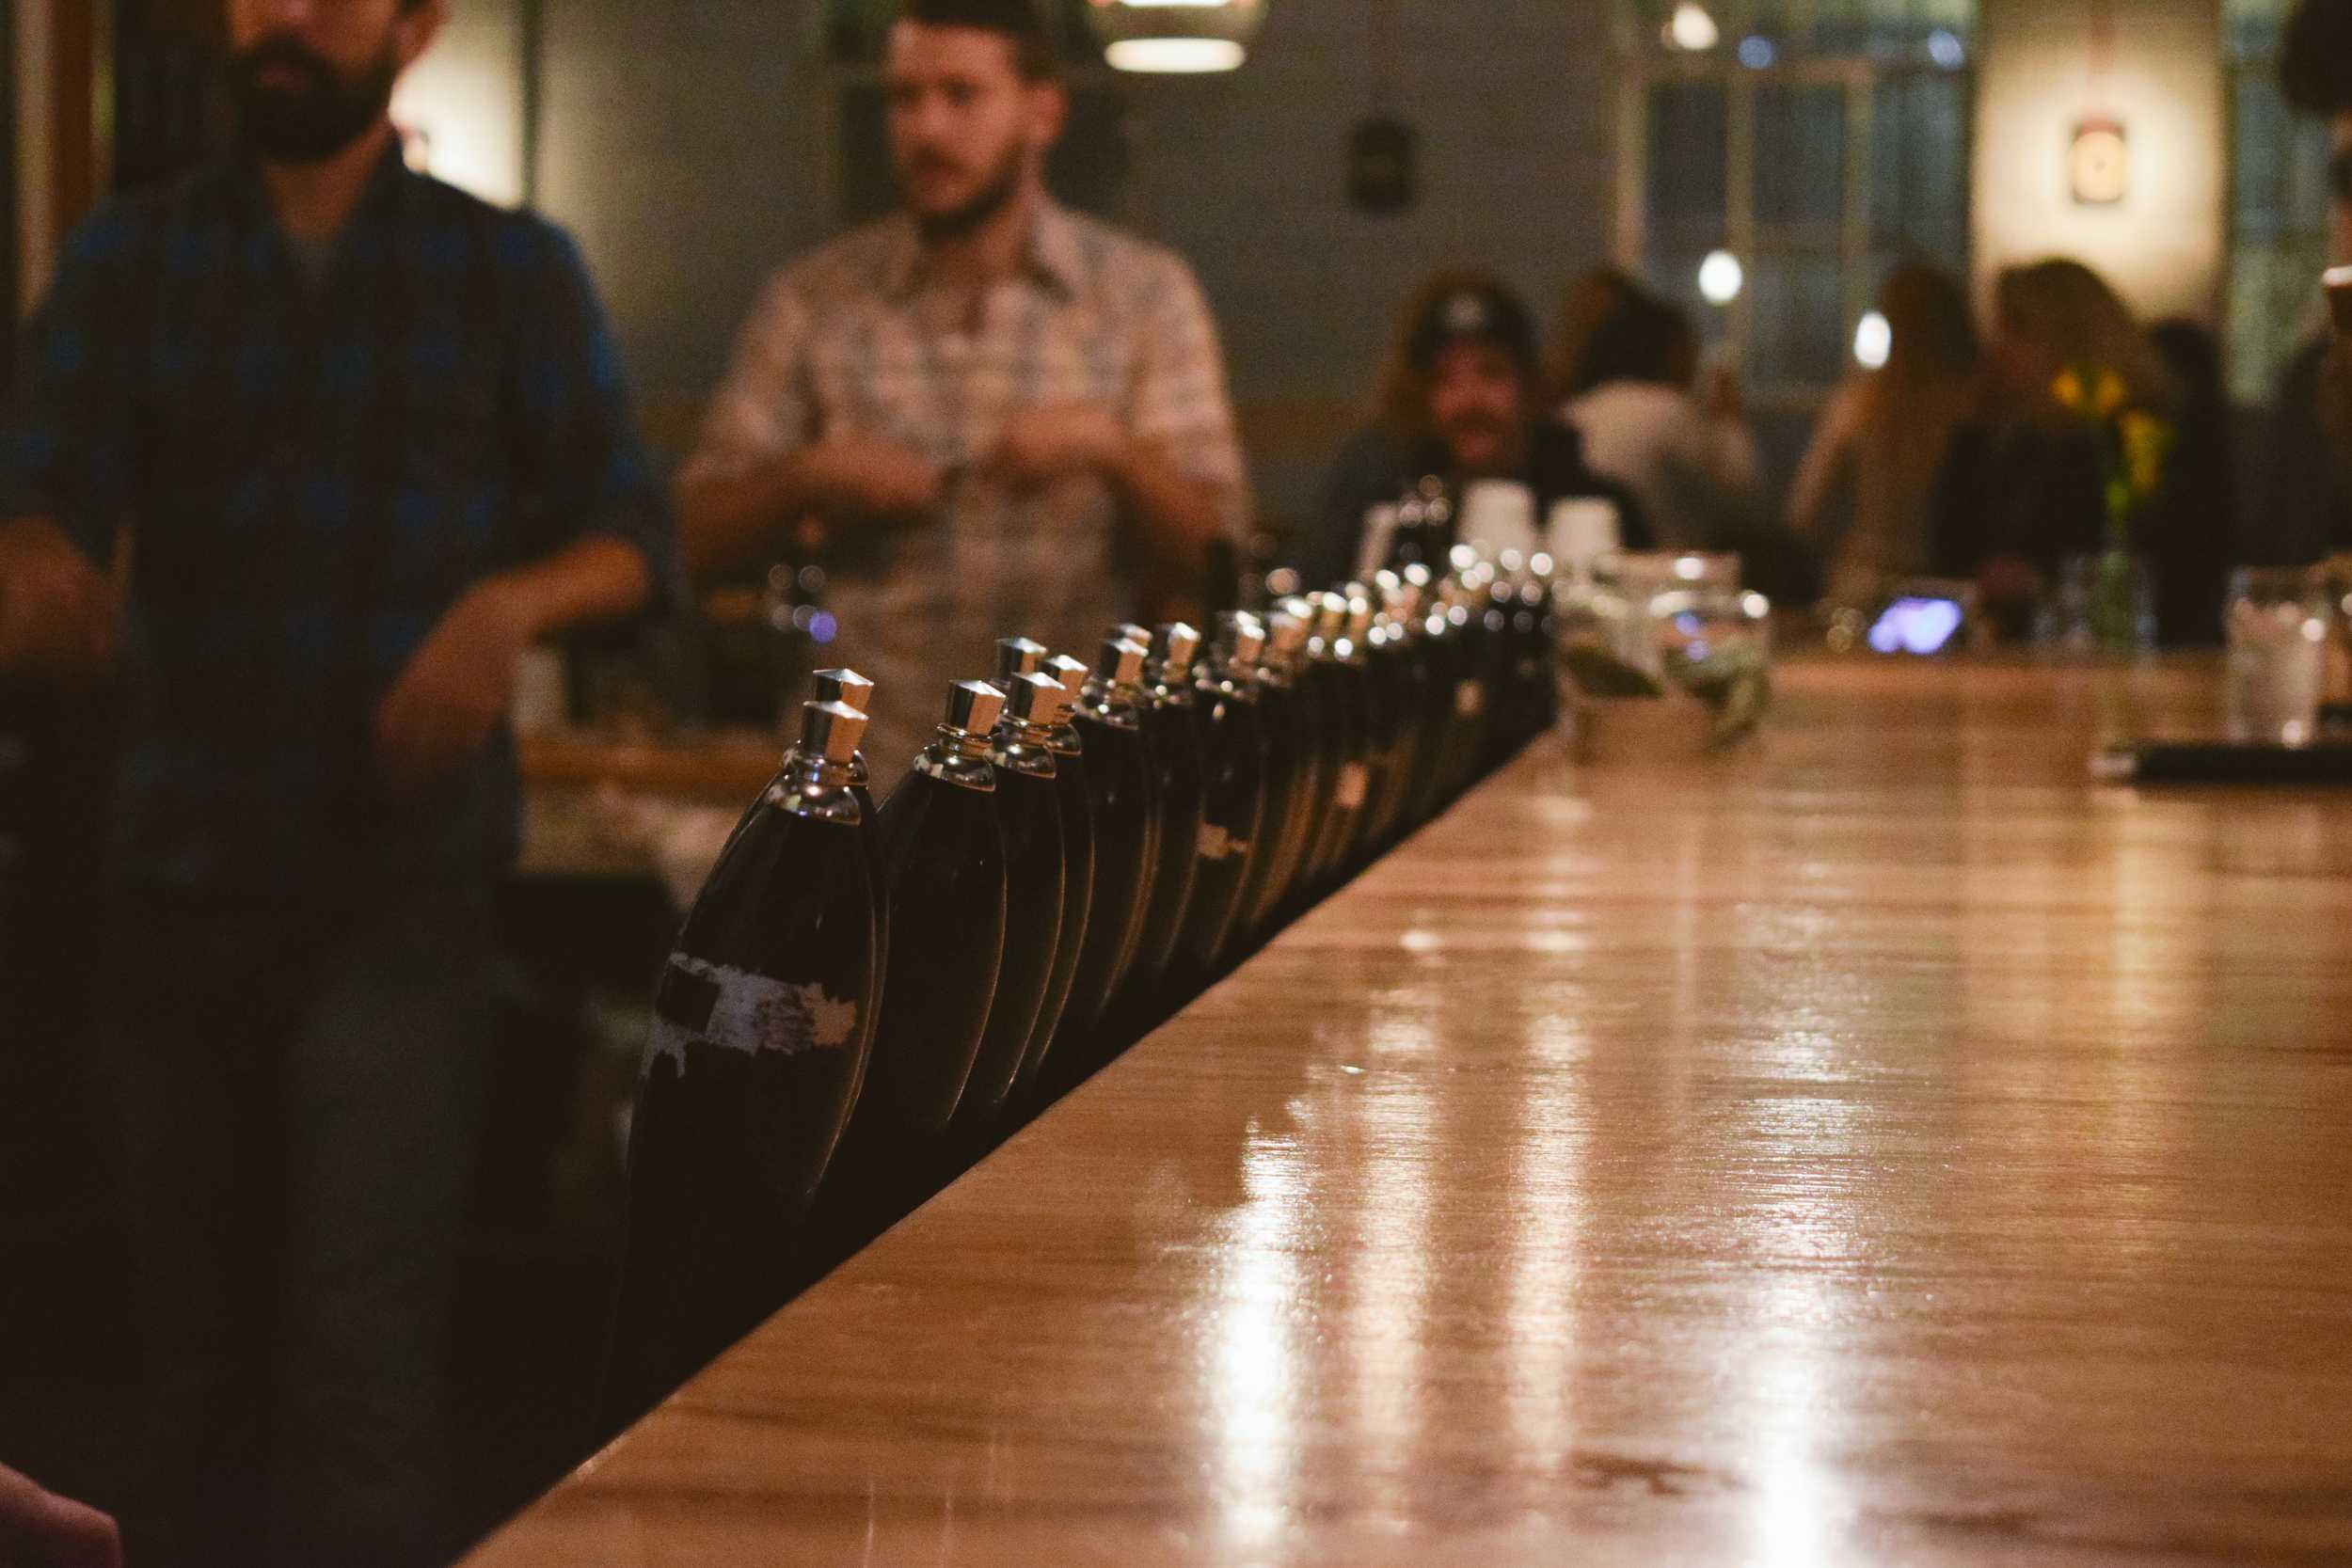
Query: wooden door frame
(62,73)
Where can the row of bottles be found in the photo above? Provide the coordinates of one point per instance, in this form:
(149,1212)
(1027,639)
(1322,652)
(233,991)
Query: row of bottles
(861,1000)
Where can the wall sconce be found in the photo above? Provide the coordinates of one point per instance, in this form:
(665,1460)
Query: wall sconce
(2099,163)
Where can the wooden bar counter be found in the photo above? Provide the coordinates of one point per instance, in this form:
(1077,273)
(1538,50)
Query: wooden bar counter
(1881,1145)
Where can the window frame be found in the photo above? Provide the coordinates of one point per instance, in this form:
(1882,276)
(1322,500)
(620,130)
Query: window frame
(1646,65)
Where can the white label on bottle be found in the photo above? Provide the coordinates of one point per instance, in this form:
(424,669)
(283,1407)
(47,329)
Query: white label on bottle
(733,1009)
(1355,783)
(1219,845)
(1469,699)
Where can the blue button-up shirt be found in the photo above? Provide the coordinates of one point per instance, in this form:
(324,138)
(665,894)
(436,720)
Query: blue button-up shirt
(308,476)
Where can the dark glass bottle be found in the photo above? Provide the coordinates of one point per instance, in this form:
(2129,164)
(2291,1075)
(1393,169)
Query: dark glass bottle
(1384,726)
(1029,807)
(851,689)
(1077,836)
(1534,691)
(1171,732)
(941,848)
(1293,766)
(1122,791)
(1318,703)
(763,1021)
(1394,725)
(1400,669)
(1484,650)
(1443,654)
(1331,666)
(1234,809)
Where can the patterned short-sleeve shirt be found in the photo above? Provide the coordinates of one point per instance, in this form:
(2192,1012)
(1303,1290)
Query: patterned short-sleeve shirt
(852,341)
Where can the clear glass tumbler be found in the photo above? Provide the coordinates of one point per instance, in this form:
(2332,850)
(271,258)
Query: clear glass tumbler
(2278,653)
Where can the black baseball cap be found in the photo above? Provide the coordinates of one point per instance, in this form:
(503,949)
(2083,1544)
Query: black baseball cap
(1473,313)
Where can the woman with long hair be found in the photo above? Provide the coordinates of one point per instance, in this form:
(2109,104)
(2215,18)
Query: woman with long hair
(1689,462)
(2025,486)
(1864,491)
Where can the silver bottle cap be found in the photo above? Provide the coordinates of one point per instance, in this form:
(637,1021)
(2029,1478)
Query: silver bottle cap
(831,731)
(1072,673)
(974,707)
(1359,617)
(1285,635)
(1121,662)
(1037,700)
(1177,645)
(1240,641)
(846,687)
(1330,615)
(1020,656)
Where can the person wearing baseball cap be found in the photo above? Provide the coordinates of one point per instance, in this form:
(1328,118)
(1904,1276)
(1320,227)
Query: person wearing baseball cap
(2305,511)
(1463,399)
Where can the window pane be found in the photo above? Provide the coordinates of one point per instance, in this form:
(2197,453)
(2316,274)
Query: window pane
(2273,307)
(1801,329)
(1675,277)
(1920,166)
(1800,163)
(1687,179)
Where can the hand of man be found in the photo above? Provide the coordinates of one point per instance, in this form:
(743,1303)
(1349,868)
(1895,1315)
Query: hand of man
(40,1530)
(57,613)
(1057,440)
(859,473)
(441,712)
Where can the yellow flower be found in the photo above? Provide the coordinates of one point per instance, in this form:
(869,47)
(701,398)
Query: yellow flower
(2110,395)
(2147,442)
(2068,389)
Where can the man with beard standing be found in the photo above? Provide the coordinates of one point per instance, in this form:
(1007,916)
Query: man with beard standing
(315,447)
(993,415)
(1461,399)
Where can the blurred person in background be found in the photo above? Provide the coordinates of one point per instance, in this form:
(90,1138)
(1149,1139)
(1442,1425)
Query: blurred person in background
(2025,486)
(1691,463)
(2192,538)
(992,416)
(1586,303)
(2305,509)
(313,446)
(1461,399)
(1862,493)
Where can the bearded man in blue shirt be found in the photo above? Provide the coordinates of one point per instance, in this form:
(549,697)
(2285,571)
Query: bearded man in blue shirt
(309,448)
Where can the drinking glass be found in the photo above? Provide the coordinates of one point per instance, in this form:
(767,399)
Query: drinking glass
(1671,637)
(2278,653)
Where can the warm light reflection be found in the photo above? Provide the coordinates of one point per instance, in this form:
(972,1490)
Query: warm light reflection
(1254,1394)
(1547,1179)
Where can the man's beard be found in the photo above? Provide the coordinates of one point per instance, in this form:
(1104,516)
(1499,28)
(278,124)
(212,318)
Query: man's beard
(312,125)
(1499,441)
(995,195)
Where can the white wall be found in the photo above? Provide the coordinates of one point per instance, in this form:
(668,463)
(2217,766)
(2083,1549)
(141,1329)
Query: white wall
(2163,245)
(466,95)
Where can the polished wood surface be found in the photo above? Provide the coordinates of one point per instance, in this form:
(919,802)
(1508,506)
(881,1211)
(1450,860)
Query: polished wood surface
(1877,1146)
